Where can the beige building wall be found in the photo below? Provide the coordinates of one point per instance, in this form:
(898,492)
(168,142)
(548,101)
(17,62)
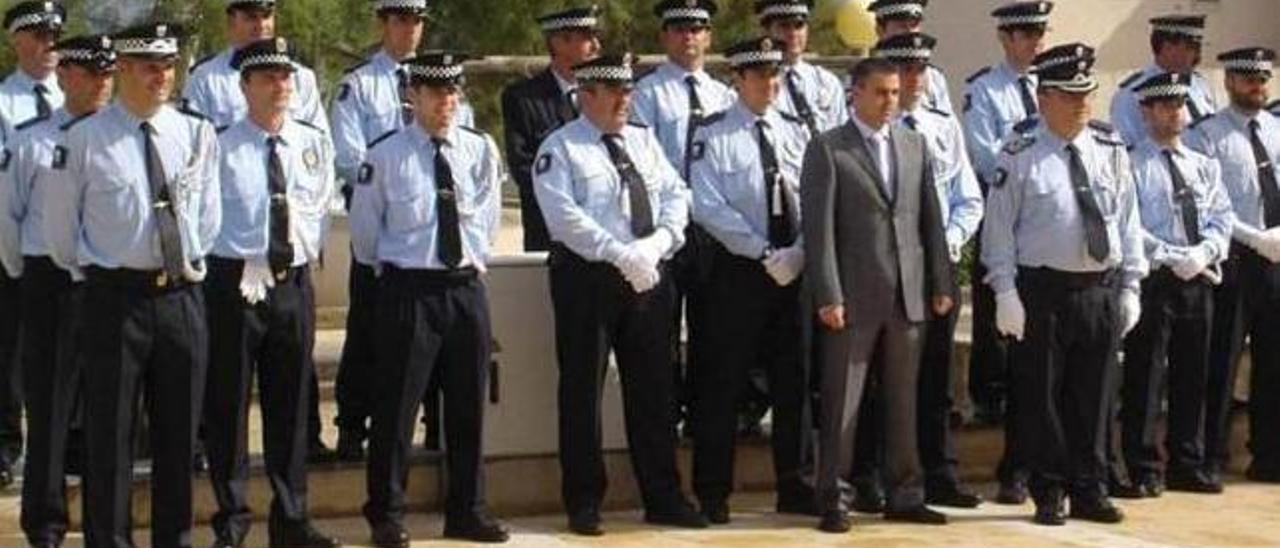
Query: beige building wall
(1118,28)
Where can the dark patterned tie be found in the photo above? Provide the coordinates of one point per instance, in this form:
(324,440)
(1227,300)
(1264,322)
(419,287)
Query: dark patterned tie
(911,122)
(782,232)
(1186,200)
(1028,99)
(279,250)
(402,91)
(1266,176)
(695,119)
(43,109)
(448,229)
(163,207)
(638,194)
(803,110)
(1095,227)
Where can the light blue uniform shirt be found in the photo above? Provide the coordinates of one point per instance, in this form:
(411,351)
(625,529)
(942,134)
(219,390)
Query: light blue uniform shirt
(661,101)
(936,92)
(992,106)
(582,197)
(394,218)
(730,197)
(366,107)
(98,206)
(18,100)
(306,155)
(1033,219)
(213,89)
(1225,138)
(1161,212)
(959,195)
(1126,111)
(823,90)
(25,158)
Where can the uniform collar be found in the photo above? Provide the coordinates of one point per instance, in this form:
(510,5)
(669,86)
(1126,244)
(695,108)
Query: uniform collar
(383,60)
(1148,144)
(133,121)
(260,135)
(564,85)
(421,135)
(1241,119)
(24,81)
(680,73)
(1013,73)
(1059,144)
(743,114)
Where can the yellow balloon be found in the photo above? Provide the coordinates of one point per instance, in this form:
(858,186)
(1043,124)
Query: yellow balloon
(855,25)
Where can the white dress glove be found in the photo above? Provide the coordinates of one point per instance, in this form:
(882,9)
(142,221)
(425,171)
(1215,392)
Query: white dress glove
(1189,265)
(1011,317)
(955,251)
(784,265)
(1130,310)
(638,271)
(653,247)
(1269,245)
(255,281)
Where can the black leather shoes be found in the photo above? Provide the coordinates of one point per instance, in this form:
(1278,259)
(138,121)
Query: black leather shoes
(1126,490)
(1151,485)
(716,512)
(680,515)
(952,496)
(585,523)
(389,535)
(867,499)
(1012,492)
(482,529)
(302,535)
(835,521)
(227,540)
(920,514)
(350,445)
(1050,513)
(1192,482)
(1098,511)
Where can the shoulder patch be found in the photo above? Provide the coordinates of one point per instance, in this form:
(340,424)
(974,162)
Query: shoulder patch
(1000,178)
(543,164)
(5,156)
(30,122)
(941,112)
(698,151)
(72,122)
(184,108)
(1026,125)
(344,91)
(637,123)
(981,72)
(1130,79)
(382,138)
(365,176)
(200,61)
(355,67)
(472,130)
(59,160)
(1021,143)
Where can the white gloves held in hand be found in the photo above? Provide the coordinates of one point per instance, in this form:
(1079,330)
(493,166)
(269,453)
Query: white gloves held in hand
(1011,317)
(784,265)
(1130,310)
(1265,242)
(1191,263)
(255,281)
(653,247)
(637,269)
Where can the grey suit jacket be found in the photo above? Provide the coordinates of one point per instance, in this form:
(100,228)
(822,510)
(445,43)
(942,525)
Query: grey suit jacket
(865,249)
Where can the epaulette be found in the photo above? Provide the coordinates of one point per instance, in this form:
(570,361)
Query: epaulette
(712,118)
(1026,125)
(1104,127)
(220,129)
(1019,144)
(355,67)
(1274,107)
(305,123)
(1130,79)
(382,138)
(981,72)
(1106,133)
(791,118)
(645,73)
(185,109)
(76,120)
(938,111)
(200,61)
(937,68)
(472,130)
(30,122)
(1195,123)
(637,123)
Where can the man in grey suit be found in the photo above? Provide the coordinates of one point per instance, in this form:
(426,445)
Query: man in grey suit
(876,254)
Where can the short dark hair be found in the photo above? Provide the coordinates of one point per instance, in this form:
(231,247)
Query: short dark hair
(1159,38)
(868,67)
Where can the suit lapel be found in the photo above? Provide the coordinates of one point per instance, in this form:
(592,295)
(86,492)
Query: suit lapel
(898,146)
(564,111)
(862,152)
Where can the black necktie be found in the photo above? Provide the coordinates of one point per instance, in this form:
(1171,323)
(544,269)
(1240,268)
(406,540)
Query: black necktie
(1185,199)
(910,121)
(568,105)
(448,231)
(279,250)
(1266,177)
(43,109)
(1028,100)
(1095,227)
(641,211)
(695,120)
(1193,109)
(402,91)
(781,228)
(803,110)
(163,207)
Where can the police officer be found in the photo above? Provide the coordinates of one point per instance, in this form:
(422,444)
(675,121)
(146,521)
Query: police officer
(1186,219)
(745,177)
(31,91)
(809,92)
(133,207)
(894,17)
(277,178)
(997,98)
(51,372)
(1175,44)
(616,210)
(534,107)
(370,102)
(426,209)
(213,89)
(961,208)
(1062,235)
(1245,140)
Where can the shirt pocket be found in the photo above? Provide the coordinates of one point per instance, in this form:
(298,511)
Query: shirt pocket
(407,209)
(595,190)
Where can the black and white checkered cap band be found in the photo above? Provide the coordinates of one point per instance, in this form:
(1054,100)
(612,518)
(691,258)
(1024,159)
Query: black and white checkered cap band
(755,58)
(266,59)
(147,46)
(552,25)
(32,19)
(435,72)
(1164,91)
(785,10)
(402,4)
(898,10)
(85,55)
(604,74)
(923,54)
(698,14)
(1080,82)
(1248,65)
(1185,30)
(1022,20)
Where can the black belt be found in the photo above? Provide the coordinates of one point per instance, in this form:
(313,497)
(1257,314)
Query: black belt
(1044,276)
(428,278)
(151,281)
